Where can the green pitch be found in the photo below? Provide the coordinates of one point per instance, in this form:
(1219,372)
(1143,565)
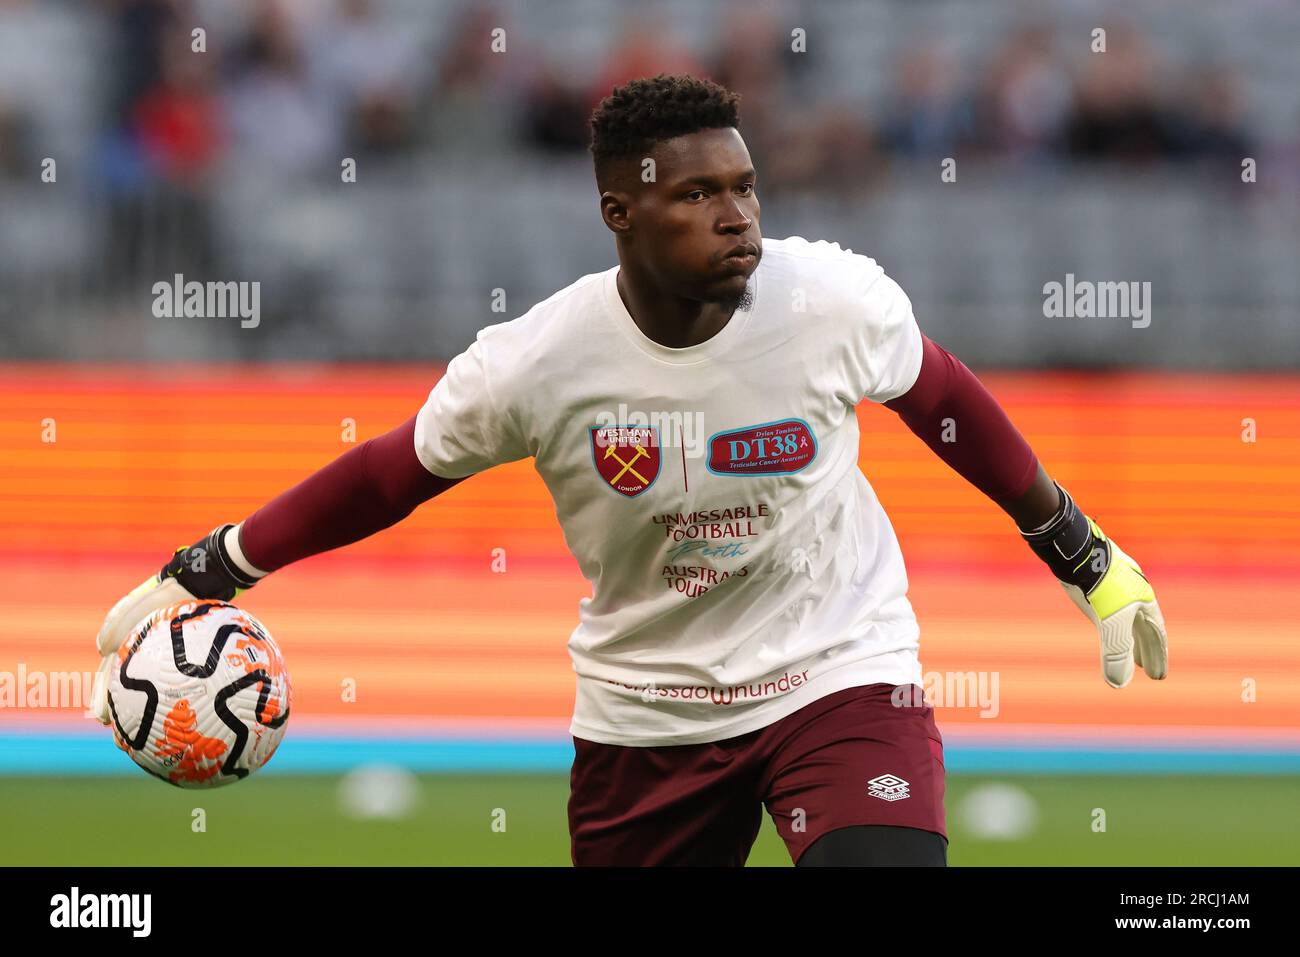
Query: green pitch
(297,821)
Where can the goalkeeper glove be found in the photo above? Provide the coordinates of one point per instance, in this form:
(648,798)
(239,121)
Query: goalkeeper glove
(1109,587)
(205,570)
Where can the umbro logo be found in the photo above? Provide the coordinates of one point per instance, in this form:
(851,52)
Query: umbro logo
(888,787)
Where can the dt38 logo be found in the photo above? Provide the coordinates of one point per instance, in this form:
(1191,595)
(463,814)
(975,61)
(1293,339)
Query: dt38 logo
(626,457)
(773,448)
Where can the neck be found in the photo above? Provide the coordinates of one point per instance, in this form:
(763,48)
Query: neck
(671,320)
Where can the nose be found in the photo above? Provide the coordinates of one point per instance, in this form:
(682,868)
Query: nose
(734,221)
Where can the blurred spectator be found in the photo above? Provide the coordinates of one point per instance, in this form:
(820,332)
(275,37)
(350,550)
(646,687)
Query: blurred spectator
(754,60)
(928,112)
(475,101)
(1119,111)
(556,116)
(825,150)
(15,143)
(1214,127)
(644,48)
(178,121)
(281,124)
(365,65)
(158,158)
(1025,98)
(140,28)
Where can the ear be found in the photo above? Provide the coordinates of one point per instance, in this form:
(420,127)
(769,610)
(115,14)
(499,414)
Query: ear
(616,212)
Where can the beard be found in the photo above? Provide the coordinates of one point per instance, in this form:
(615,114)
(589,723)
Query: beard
(742,300)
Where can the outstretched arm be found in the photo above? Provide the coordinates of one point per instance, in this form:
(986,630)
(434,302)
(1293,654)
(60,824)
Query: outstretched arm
(460,431)
(362,492)
(991,454)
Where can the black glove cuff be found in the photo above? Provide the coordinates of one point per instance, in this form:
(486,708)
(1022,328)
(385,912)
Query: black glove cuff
(1068,546)
(206,570)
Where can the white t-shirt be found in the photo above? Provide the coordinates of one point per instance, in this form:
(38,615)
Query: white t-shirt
(741,566)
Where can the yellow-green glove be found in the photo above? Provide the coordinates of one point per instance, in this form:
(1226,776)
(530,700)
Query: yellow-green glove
(1109,587)
(1123,607)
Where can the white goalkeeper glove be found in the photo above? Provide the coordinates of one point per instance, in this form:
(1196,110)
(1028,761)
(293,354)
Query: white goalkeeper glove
(213,567)
(1108,586)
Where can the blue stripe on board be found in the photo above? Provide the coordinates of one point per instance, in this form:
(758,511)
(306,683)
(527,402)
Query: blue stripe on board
(64,753)
(96,754)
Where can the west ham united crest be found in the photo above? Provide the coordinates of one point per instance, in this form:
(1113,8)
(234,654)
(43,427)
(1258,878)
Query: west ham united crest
(626,457)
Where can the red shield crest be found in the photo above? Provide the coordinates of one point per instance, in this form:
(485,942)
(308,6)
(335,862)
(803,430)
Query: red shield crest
(626,457)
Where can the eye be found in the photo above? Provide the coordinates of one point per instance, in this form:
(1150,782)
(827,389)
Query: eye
(748,188)
(694,192)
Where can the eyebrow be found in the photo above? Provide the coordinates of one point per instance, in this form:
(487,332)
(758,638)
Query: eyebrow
(708,180)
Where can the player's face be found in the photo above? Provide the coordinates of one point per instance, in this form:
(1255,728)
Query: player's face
(702,206)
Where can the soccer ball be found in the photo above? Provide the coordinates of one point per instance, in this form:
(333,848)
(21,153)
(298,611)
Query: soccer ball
(199,694)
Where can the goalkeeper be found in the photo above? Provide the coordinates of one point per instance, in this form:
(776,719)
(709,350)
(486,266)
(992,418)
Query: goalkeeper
(770,682)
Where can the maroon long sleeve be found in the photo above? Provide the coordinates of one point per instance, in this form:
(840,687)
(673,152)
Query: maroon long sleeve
(364,491)
(988,451)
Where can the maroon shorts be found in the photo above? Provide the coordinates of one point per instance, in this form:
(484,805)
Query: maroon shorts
(852,757)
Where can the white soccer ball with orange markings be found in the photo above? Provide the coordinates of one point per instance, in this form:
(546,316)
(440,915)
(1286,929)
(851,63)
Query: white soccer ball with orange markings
(199,694)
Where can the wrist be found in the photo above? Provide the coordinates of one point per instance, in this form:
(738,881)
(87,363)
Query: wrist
(1069,545)
(210,568)
(235,552)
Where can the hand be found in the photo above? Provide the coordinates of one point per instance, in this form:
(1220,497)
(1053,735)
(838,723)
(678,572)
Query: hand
(143,600)
(204,570)
(1123,607)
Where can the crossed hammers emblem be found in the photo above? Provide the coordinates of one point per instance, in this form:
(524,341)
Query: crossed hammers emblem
(612,452)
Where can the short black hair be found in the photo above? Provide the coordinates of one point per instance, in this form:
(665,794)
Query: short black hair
(642,112)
